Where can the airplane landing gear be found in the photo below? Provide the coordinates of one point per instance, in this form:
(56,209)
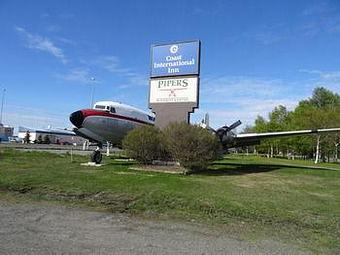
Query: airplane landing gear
(96,156)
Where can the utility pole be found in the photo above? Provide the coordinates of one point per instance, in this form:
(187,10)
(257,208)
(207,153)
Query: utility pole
(2,104)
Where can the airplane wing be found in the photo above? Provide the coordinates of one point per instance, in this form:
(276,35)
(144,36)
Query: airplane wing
(255,138)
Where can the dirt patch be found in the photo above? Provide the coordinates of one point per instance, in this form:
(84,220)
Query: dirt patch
(160,169)
(112,202)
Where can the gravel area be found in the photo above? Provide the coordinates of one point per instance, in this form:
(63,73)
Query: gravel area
(41,228)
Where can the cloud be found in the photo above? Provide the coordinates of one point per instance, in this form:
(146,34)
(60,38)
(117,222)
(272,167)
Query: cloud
(261,36)
(329,75)
(328,79)
(112,64)
(60,16)
(319,18)
(267,38)
(270,34)
(198,11)
(33,117)
(78,75)
(217,89)
(38,42)
(53,28)
(244,109)
(317,9)
(66,41)
(134,80)
(314,20)
(230,98)
(309,29)
(45,15)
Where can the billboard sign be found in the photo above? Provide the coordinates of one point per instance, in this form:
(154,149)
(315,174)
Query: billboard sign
(174,90)
(175,59)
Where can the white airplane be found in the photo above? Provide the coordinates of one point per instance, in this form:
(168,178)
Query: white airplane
(109,122)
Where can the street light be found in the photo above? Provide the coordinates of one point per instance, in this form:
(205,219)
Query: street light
(92,93)
(2,104)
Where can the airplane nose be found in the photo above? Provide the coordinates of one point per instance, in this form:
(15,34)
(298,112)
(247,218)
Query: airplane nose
(77,118)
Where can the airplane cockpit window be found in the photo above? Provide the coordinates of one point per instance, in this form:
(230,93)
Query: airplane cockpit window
(112,110)
(151,118)
(102,107)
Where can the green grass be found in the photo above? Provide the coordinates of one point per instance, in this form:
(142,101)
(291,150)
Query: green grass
(251,196)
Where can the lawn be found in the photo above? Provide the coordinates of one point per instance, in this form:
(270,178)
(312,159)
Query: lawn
(250,196)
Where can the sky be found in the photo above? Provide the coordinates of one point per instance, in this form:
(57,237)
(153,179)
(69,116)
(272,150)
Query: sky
(255,55)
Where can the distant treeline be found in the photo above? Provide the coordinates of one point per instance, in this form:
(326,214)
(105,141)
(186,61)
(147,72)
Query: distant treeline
(322,110)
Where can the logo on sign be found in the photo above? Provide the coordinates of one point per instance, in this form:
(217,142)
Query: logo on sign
(174,49)
(173,90)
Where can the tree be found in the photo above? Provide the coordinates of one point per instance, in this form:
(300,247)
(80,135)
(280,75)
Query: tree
(278,121)
(261,125)
(323,98)
(322,110)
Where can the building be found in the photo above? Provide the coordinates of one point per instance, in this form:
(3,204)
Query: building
(55,136)
(5,132)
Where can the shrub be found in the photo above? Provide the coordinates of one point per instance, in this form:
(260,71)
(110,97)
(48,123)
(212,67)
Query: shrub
(145,144)
(192,146)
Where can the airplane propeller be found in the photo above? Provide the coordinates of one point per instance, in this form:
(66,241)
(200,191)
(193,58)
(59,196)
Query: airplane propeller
(225,134)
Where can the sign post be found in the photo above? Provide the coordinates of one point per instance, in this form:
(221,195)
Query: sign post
(174,81)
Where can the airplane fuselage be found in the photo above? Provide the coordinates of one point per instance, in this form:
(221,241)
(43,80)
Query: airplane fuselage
(109,121)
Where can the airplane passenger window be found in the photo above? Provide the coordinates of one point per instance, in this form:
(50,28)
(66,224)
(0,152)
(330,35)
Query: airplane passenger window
(100,106)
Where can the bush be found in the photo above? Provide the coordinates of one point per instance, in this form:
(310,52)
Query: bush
(145,144)
(192,146)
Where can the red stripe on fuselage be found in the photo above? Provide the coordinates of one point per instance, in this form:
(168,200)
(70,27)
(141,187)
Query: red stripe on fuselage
(91,112)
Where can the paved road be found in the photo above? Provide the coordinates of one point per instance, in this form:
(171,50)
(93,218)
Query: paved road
(41,228)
